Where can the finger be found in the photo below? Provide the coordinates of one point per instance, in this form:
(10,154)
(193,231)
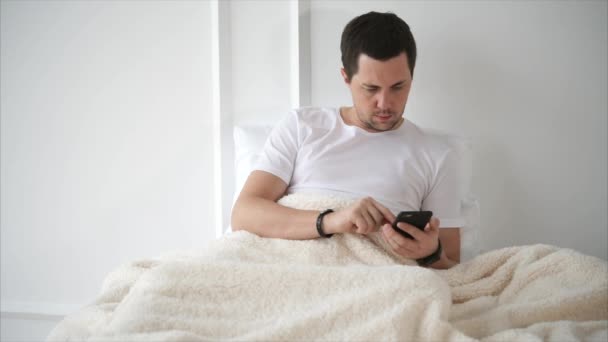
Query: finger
(377,216)
(392,243)
(360,223)
(394,246)
(388,215)
(371,221)
(416,233)
(365,223)
(433,224)
(388,237)
(360,215)
(398,240)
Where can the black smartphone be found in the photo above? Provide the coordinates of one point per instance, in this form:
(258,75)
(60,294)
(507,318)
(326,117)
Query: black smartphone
(418,219)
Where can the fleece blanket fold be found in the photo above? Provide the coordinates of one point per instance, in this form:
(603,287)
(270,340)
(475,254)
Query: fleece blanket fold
(348,287)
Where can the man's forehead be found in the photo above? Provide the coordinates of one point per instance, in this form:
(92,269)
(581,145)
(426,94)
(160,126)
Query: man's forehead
(389,72)
(375,84)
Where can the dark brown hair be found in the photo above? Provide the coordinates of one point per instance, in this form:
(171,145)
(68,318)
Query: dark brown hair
(381,36)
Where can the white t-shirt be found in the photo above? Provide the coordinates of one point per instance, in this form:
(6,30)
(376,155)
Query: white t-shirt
(312,149)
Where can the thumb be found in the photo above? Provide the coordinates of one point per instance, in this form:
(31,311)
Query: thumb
(433,224)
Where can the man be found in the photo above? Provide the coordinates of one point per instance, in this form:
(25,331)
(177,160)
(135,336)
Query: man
(368,151)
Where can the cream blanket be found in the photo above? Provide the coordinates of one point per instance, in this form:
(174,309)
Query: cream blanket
(243,287)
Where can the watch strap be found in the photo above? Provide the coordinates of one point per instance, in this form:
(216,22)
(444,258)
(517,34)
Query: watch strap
(320,224)
(434,257)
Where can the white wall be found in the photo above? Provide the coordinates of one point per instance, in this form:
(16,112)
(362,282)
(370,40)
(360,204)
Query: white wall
(260,59)
(527,81)
(258,43)
(105,143)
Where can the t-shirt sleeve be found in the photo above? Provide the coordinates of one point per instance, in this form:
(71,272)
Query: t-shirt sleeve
(280,150)
(444,198)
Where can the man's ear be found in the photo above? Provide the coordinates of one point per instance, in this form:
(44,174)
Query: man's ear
(344,76)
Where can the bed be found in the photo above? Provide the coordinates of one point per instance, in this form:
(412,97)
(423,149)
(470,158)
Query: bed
(348,287)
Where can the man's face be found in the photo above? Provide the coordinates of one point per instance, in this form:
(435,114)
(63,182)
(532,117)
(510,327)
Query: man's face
(380,90)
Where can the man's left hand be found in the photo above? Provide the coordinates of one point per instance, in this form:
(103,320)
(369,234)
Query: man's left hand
(424,243)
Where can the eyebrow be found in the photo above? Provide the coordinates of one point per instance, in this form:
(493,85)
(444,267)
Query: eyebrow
(375,86)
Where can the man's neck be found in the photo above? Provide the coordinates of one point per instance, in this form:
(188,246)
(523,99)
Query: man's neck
(350,118)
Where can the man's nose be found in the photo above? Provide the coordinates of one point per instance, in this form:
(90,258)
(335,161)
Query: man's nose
(383,100)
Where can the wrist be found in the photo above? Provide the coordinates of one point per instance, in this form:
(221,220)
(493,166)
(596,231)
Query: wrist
(433,258)
(444,262)
(322,227)
(328,223)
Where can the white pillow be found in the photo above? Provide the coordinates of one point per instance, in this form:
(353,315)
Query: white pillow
(249,141)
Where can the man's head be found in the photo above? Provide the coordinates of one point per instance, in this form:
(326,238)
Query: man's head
(381,36)
(378,57)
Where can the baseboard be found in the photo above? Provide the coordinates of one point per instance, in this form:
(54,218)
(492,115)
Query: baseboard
(17,326)
(29,316)
(36,310)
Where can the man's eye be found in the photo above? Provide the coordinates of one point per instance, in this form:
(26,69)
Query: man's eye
(371,90)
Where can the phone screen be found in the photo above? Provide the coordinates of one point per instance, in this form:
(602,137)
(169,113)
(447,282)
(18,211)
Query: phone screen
(418,219)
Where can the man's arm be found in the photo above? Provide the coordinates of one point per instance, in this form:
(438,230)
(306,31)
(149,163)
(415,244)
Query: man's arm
(450,241)
(257,211)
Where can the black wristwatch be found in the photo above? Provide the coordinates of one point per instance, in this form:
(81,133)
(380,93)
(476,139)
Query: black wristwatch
(428,260)
(320,224)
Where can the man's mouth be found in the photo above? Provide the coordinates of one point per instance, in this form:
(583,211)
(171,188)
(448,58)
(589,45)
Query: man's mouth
(384,117)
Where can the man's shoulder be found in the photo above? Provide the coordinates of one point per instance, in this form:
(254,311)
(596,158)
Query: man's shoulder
(315,115)
(312,111)
(436,141)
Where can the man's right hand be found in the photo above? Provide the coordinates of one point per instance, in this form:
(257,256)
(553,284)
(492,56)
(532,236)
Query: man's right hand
(362,217)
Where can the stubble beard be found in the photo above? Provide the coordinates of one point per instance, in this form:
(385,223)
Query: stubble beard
(370,125)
